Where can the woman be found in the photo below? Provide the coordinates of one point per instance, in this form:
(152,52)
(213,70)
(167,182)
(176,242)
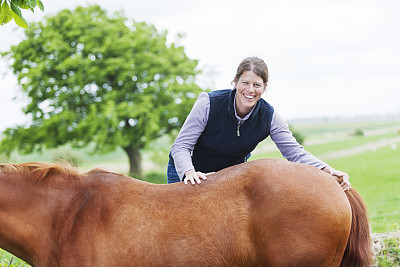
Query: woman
(224,126)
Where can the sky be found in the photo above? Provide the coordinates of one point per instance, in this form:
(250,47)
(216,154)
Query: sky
(325,58)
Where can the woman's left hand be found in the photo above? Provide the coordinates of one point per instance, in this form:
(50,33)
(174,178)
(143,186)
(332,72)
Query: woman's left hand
(345,184)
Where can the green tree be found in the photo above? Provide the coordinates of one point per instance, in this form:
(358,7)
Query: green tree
(90,78)
(11,9)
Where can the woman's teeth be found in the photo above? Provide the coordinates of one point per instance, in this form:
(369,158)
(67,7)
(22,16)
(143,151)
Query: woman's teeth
(248,96)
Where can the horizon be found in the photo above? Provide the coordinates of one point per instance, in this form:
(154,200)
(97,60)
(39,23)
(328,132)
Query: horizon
(324,59)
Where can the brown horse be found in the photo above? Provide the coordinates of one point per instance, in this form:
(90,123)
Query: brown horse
(260,213)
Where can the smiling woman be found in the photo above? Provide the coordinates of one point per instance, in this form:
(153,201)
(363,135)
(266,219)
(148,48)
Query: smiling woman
(225,126)
(251,84)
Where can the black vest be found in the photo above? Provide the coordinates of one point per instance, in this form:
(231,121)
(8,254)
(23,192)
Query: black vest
(223,143)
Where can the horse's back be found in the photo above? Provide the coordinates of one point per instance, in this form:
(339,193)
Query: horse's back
(260,213)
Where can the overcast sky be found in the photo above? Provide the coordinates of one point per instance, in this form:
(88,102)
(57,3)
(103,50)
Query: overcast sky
(325,58)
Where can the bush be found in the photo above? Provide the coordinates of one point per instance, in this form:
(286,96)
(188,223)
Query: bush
(358,132)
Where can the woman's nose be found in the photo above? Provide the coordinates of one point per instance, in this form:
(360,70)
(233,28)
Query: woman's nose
(251,87)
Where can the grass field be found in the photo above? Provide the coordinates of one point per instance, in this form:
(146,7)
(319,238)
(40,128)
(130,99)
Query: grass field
(374,173)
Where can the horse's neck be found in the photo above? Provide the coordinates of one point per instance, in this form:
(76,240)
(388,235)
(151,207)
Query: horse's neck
(31,215)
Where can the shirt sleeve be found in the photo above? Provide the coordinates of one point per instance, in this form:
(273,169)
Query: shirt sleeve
(289,147)
(190,132)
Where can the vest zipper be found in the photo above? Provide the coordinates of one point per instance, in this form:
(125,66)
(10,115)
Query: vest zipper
(238,131)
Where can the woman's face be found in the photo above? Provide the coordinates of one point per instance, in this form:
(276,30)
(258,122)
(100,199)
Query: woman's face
(250,88)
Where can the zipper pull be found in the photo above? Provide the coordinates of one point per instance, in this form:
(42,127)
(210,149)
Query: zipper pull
(238,127)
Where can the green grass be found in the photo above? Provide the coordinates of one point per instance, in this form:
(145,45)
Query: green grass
(322,129)
(354,141)
(328,146)
(5,259)
(376,175)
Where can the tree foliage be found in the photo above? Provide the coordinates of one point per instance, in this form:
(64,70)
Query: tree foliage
(92,78)
(11,9)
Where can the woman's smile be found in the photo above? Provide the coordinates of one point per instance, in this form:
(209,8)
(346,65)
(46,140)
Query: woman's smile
(249,96)
(250,88)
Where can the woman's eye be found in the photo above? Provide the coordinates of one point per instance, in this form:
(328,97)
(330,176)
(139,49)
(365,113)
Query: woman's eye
(246,83)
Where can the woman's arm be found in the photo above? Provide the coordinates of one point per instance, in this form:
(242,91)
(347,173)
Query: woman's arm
(191,130)
(289,147)
(293,151)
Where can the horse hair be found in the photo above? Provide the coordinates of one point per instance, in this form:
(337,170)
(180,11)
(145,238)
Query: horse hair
(358,250)
(40,171)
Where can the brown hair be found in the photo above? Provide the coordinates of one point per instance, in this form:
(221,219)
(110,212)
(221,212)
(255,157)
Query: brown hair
(255,64)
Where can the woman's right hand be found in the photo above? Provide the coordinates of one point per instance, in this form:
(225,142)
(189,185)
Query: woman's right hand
(194,177)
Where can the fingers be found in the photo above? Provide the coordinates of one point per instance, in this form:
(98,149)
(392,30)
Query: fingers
(345,186)
(195,177)
(345,183)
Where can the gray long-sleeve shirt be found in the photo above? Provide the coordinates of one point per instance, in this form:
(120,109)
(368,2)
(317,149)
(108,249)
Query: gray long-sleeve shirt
(197,120)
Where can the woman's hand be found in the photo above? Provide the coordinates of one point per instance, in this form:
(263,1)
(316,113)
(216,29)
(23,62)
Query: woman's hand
(345,184)
(194,177)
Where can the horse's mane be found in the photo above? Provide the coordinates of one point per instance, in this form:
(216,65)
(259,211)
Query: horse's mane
(39,171)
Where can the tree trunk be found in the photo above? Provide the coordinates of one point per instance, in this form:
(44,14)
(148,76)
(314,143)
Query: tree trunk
(135,161)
